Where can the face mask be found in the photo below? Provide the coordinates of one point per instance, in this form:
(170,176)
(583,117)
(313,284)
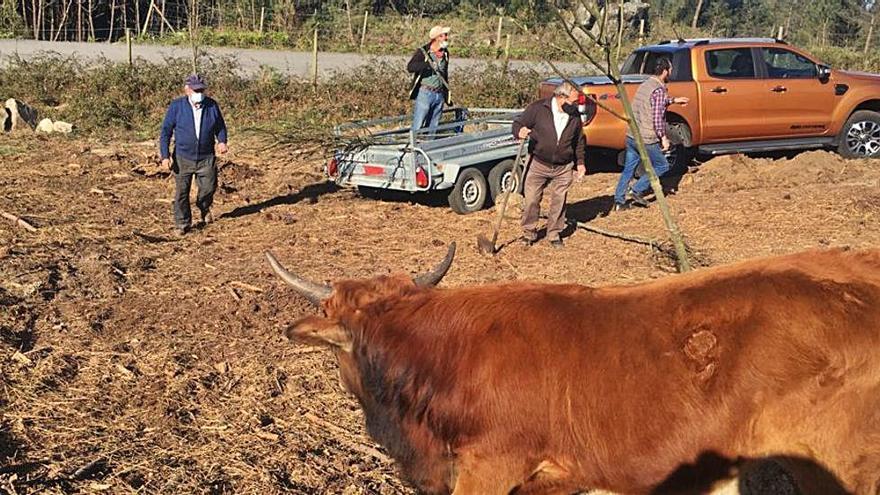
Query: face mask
(444,44)
(570,108)
(196,98)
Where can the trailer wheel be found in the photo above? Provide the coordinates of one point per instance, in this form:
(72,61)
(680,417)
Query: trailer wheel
(469,193)
(501,179)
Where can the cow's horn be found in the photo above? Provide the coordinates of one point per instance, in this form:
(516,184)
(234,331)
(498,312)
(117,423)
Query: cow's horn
(436,275)
(315,293)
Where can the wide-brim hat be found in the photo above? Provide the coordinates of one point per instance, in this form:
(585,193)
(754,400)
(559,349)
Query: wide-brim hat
(438,30)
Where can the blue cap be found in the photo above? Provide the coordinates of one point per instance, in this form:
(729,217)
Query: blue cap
(195,82)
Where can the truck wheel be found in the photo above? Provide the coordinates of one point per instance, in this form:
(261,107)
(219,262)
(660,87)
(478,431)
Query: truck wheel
(860,136)
(469,193)
(501,179)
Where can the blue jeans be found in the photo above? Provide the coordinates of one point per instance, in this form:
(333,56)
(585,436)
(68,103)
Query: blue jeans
(427,110)
(658,160)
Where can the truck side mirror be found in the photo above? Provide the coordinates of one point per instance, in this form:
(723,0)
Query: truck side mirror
(824,73)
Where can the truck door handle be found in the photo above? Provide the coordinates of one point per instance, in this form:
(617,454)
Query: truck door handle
(719,89)
(779,89)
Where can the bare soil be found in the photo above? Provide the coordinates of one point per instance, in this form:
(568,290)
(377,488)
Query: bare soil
(133,360)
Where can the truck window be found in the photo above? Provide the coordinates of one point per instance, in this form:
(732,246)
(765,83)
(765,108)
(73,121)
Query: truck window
(730,63)
(633,64)
(785,64)
(644,62)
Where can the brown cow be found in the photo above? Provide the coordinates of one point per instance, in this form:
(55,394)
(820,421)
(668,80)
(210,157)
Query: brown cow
(664,386)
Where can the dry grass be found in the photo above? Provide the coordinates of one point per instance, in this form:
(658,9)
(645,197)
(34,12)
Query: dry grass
(132,361)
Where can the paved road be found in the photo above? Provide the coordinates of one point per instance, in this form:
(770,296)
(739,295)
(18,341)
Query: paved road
(293,63)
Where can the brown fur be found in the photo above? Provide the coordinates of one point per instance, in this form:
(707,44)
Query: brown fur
(665,386)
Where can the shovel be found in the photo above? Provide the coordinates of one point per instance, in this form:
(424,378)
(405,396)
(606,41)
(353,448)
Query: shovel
(485,246)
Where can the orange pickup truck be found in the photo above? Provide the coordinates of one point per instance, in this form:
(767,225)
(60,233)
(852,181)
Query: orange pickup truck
(746,95)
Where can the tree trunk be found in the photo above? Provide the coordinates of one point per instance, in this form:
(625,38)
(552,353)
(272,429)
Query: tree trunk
(79,20)
(112,18)
(697,14)
(870,34)
(193,33)
(162,15)
(91,22)
(34,19)
(62,25)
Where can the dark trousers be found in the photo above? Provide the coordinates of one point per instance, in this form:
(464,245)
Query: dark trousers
(556,179)
(205,172)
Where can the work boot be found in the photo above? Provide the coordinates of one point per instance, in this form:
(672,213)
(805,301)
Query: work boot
(528,240)
(208,217)
(621,207)
(557,244)
(637,199)
(181,230)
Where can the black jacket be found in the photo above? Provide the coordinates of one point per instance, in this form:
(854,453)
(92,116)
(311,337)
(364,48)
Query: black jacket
(542,141)
(421,69)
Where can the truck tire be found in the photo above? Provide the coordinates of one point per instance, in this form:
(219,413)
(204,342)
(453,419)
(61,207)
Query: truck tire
(860,136)
(470,192)
(500,178)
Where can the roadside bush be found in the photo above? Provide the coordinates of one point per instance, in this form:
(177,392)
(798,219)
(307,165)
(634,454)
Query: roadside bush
(103,96)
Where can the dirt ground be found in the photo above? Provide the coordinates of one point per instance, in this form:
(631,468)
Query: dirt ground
(132,360)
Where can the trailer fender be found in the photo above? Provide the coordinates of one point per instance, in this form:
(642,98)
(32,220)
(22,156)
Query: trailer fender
(450,175)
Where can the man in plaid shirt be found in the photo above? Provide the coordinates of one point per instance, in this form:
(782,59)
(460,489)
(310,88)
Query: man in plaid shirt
(649,107)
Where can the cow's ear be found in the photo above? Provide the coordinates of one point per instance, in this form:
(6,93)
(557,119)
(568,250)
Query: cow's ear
(320,331)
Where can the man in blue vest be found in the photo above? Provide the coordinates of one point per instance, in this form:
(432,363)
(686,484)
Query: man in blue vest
(195,121)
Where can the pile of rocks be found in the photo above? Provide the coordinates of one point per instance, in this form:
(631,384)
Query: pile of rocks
(18,115)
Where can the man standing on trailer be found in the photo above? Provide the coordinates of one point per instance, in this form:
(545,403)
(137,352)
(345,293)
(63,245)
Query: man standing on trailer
(556,147)
(430,83)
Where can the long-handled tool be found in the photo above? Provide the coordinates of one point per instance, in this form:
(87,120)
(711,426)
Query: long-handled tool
(485,246)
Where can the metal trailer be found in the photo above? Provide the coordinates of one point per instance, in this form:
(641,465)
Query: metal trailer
(470,155)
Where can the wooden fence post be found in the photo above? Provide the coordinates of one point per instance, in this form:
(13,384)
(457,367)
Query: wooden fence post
(128,43)
(780,32)
(364,29)
(641,31)
(498,37)
(506,53)
(870,34)
(315,59)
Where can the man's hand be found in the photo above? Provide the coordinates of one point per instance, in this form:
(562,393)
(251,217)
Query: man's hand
(580,172)
(222,148)
(665,144)
(681,100)
(166,162)
(524,132)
